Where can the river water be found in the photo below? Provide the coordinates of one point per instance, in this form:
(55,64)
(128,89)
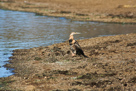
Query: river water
(23,30)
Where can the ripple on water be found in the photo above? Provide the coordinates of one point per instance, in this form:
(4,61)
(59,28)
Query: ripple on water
(23,30)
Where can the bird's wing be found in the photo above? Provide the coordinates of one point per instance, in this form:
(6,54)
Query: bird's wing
(77,45)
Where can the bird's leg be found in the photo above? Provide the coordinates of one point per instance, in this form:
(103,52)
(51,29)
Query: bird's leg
(73,54)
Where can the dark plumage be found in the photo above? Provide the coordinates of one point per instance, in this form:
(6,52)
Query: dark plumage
(74,46)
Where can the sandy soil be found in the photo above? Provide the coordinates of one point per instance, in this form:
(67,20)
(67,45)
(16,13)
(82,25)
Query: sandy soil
(111,66)
(121,11)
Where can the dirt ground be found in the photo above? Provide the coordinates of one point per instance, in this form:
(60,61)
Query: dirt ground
(111,66)
(119,11)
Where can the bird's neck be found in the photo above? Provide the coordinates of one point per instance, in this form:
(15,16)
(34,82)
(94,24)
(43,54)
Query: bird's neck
(71,37)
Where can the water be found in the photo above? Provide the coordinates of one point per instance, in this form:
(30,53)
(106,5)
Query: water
(23,30)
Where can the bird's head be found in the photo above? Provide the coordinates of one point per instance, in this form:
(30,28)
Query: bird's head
(73,33)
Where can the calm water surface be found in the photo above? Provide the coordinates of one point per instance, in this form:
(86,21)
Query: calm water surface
(22,30)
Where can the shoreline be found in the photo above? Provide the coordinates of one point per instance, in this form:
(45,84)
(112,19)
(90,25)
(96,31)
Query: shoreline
(111,65)
(46,10)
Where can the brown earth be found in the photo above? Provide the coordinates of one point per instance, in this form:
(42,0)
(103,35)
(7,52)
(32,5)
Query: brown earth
(121,11)
(111,66)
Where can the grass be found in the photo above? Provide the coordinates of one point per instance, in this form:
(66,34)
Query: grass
(4,85)
(37,58)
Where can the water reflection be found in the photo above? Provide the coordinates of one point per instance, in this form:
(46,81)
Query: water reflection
(19,30)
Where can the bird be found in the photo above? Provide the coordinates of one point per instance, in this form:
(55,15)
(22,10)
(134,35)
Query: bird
(74,45)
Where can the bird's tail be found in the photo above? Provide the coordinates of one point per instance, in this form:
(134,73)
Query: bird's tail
(80,52)
(85,56)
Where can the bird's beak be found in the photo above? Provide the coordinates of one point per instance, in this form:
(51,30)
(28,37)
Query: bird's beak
(78,33)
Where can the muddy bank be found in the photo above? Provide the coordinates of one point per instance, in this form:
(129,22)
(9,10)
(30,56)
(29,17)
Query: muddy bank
(111,66)
(100,10)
